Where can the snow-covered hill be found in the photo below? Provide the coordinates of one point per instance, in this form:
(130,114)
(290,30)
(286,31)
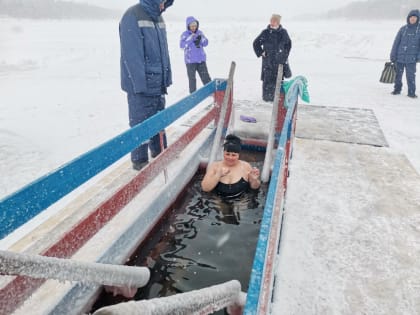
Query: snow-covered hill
(375,9)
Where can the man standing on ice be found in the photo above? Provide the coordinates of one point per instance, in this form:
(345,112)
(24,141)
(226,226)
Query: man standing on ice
(406,52)
(145,69)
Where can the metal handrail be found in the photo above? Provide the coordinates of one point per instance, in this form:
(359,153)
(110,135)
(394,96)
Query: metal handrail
(217,137)
(26,203)
(261,280)
(42,267)
(265,174)
(203,301)
(21,206)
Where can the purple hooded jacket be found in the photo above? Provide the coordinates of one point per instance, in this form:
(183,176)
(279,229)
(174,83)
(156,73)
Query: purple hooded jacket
(192,53)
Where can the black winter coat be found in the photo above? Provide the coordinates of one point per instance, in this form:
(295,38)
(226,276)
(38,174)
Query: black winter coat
(276,44)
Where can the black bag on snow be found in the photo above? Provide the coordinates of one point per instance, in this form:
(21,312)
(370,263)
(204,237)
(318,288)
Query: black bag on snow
(388,74)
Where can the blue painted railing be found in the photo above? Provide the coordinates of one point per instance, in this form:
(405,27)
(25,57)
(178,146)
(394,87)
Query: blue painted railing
(252,305)
(23,205)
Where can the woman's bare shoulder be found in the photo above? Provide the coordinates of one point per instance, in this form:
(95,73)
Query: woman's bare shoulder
(215,164)
(246,164)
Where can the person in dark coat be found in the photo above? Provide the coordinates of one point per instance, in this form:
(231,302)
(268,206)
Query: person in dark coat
(193,42)
(273,45)
(406,52)
(145,69)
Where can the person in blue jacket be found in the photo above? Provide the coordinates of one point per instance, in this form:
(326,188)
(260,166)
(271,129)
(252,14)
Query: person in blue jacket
(405,53)
(273,45)
(145,69)
(193,42)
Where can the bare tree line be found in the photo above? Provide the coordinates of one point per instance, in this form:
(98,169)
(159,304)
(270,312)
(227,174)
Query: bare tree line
(375,9)
(59,9)
(53,9)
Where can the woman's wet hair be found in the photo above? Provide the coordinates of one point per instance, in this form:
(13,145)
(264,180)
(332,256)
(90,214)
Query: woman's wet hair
(232,144)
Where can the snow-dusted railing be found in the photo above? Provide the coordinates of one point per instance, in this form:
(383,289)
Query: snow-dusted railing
(262,275)
(29,201)
(21,287)
(265,174)
(203,301)
(223,112)
(36,266)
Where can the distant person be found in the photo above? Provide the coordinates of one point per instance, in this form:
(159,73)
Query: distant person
(406,52)
(145,69)
(273,45)
(193,42)
(231,177)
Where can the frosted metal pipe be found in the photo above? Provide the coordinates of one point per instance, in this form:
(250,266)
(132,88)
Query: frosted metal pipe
(265,174)
(202,301)
(37,266)
(216,143)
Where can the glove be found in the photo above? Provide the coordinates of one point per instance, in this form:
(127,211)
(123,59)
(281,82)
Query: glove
(197,41)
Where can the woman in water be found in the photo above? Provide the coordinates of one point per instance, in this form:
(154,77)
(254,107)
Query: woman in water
(231,176)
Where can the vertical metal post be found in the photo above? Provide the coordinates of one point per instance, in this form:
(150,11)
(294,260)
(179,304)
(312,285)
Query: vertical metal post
(219,128)
(265,174)
(162,147)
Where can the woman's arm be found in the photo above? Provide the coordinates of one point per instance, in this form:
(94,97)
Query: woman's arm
(258,44)
(210,180)
(186,39)
(204,40)
(213,175)
(253,176)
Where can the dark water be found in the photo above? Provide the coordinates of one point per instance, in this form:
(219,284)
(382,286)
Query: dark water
(204,240)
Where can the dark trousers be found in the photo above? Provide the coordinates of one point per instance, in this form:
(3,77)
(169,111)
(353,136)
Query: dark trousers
(140,108)
(201,68)
(410,73)
(269,78)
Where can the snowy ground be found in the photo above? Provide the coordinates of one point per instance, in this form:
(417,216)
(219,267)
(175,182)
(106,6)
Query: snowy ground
(60,95)
(350,241)
(60,91)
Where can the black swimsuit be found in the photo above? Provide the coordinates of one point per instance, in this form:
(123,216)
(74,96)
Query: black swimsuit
(232,190)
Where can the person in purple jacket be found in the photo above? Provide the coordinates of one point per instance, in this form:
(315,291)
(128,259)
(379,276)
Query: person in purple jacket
(193,42)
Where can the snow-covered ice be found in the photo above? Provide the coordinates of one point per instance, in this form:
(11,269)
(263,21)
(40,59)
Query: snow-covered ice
(60,97)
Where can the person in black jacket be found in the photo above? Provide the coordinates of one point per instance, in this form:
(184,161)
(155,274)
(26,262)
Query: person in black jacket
(273,45)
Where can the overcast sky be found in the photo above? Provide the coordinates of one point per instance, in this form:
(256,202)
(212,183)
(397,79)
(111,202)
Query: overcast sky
(235,8)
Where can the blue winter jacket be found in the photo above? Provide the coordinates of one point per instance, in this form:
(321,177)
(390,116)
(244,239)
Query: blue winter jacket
(406,47)
(145,64)
(193,53)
